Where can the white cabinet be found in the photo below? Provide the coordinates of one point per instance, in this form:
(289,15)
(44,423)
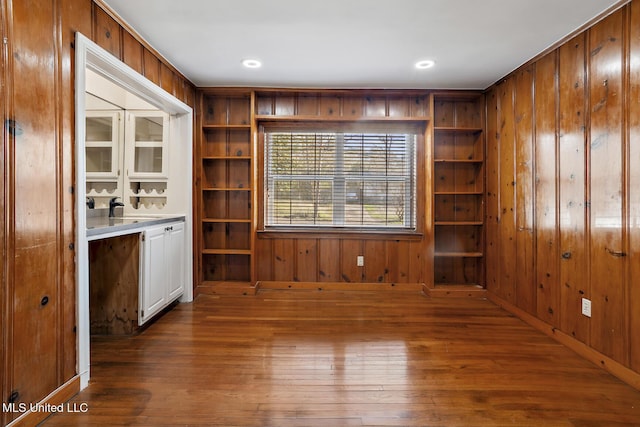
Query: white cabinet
(104,133)
(162,265)
(147,135)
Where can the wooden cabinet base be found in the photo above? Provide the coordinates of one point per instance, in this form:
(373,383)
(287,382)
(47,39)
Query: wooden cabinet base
(114,266)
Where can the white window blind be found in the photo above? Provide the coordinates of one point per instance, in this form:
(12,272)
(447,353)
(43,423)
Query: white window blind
(362,180)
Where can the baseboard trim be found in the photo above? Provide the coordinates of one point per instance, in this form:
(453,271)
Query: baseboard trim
(340,286)
(615,368)
(454,291)
(224,288)
(58,397)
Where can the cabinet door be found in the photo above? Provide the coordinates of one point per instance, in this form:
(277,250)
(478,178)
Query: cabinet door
(147,136)
(154,274)
(103,136)
(175,259)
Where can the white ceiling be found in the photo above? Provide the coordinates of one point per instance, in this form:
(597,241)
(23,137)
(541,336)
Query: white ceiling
(354,43)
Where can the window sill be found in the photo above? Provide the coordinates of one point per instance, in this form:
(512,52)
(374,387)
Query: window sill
(314,233)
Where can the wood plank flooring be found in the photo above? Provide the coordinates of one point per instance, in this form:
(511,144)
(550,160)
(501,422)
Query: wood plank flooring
(334,358)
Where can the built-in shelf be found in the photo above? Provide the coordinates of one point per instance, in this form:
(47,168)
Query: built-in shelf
(459,254)
(458,165)
(226,182)
(350,119)
(226,251)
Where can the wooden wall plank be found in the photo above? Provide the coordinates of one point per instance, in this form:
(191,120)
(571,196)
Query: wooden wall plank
(283,260)
(166,78)
(507,264)
(397,261)
(492,200)
(375,266)
(35,299)
(349,271)
(107,32)
(264,251)
(420,269)
(548,296)
(132,52)
(609,309)
(306,260)
(574,282)
(329,260)
(525,162)
(585,132)
(151,66)
(634,186)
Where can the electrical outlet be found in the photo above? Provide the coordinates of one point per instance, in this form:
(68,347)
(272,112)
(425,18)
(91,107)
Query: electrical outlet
(360,261)
(586,307)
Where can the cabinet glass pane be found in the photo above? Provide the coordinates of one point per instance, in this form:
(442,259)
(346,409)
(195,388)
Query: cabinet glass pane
(149,129)
(148,159)
(98,159)
(99,129)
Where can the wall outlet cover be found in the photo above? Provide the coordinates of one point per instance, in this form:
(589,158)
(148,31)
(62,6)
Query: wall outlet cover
(586,307)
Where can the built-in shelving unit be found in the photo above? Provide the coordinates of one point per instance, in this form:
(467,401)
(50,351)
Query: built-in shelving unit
(225,186)
(458,202)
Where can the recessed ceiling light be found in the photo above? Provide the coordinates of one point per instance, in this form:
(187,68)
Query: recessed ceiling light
(423,65)
(252,63)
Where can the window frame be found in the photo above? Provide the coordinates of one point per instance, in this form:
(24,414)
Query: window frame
(415,127)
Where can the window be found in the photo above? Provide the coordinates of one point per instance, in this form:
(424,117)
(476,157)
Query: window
(340,178)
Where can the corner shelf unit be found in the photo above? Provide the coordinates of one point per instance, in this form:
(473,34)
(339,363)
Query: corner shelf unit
(225,186)
(458,190)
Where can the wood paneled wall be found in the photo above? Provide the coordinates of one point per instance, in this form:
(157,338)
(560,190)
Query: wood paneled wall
(327,258)
(563,187)
(37,295)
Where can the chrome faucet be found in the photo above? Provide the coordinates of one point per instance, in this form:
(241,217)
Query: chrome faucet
(112,206)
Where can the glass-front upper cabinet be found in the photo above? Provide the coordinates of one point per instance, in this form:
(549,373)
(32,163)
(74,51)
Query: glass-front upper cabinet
(102,144)
(147,135)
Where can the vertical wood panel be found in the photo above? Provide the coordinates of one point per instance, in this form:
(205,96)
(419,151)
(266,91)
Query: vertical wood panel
(306,260)
(608,330)
(349,271)
(151,66)
(397,261)
(574,283)
(166,78)
(492,221)
(329,260)
(525,249)
(132,52)
(507,188)
(634,186)
(548,297)
(264,259)
(107,32)
(35,319)
(283,259)
(375,266)
(419,267)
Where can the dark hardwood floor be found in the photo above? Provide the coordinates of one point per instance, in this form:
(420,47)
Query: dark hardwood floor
(334,358)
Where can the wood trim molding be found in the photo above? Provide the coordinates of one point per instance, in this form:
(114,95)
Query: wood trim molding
(340,286)
(454,291)
(615,368)
(58,397)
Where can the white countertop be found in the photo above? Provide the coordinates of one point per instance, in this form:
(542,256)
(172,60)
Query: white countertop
(99,227)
